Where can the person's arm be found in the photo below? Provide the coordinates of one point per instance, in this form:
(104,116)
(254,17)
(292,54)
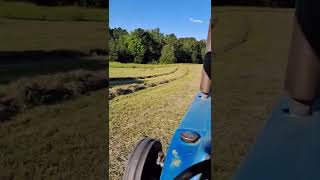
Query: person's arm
(303,69)
(205,84)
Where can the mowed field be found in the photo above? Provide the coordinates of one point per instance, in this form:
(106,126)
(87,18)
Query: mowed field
(32,48)
(11,9)
(41,55)
(251,47)
(148,100)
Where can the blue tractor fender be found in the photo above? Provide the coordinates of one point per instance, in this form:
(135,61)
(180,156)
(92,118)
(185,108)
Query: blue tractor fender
(182,153)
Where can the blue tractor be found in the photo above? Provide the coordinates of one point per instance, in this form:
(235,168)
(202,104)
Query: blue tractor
(189,153)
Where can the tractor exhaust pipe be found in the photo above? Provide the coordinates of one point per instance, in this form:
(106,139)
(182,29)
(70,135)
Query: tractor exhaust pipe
(303,71)
(205,83)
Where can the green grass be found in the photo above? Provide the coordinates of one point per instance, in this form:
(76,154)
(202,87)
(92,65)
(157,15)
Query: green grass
(248,79)
(62,141)
(25,26)
(21,35)
(157,109)
(31,48)
(66,140)
(28,11)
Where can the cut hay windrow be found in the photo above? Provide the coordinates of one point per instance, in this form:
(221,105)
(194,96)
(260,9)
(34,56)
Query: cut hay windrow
(144,77)
(27,93)
(116,74)
(148,82)
(138,79)
(142,66)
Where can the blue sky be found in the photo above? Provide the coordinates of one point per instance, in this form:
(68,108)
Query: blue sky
(185,18)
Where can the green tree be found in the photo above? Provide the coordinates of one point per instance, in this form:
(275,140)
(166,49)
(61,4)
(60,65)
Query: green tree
(189,50)
(136,48)
(117,49)
(149,41)
(168,54)
(156,44)
(157,35)
(117,33)
(170,39)
(196,55)
(152,46)
(202,45)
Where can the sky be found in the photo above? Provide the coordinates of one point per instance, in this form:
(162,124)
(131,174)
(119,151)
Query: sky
(184,18)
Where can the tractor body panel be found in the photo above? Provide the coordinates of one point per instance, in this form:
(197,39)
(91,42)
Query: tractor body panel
(180,154)
(287,148)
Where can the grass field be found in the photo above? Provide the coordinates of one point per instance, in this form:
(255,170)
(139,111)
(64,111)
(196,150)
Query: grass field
(65,139)
(140,72)
(22,35)
(132,65)
(28,11)
(153,111)
(252,47)
(36,47)
(62,141)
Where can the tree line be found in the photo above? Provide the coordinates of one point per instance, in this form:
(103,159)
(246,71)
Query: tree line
(83,3)
(265,3)
(151,46)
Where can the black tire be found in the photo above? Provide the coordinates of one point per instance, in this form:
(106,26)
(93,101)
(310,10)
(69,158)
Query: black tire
(141,163)
(203,167)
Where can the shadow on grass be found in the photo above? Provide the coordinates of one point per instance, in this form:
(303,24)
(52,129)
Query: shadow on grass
(20,64)
(124,81)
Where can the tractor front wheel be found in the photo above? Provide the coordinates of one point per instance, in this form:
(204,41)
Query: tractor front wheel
(142,162)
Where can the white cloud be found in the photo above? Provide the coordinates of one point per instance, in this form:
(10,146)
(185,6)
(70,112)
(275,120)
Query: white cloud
(195,20)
